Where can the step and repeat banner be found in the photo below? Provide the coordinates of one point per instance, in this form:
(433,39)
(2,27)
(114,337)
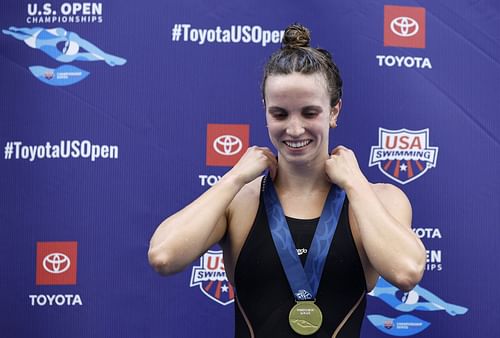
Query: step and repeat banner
(116,114)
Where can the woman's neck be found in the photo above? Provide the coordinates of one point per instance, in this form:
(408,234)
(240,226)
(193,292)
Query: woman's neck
(303,178)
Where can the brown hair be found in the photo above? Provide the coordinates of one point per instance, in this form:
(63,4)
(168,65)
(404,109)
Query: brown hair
(296,55)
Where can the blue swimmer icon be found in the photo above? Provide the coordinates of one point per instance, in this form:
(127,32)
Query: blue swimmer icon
(63,46)
(418,299)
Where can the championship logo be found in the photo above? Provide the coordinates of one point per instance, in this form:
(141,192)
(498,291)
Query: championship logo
(419,299)
(403,155)
(210,277)
(404,26)
(226,143)
(62,46)
(56,263)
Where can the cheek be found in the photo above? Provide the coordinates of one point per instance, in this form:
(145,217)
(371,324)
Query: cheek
(322,130)
(274,131)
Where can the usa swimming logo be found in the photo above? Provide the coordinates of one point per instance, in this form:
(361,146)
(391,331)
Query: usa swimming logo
(403,155)
(210,277)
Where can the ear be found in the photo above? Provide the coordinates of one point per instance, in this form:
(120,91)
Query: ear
(334,114)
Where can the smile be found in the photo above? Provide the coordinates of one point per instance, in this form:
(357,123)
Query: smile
(297,144)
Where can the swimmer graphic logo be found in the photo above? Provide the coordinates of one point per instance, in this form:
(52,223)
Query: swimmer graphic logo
(404,26)
(210,277)
(56,263)
(403,155)
(226,143)
(63,46)
(418,299)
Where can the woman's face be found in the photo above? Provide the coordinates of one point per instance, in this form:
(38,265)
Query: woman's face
(299,116)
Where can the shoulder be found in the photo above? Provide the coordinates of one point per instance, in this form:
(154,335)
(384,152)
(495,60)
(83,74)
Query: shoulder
(393,199)
(389,192)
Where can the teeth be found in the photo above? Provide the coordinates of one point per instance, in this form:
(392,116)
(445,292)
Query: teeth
(297,144)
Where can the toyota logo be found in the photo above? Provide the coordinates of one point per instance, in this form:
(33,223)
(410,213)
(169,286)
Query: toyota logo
(404,26)
(227,145)
(56,263)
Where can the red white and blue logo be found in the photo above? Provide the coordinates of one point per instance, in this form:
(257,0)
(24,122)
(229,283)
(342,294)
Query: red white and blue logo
(403,155)
(210,277)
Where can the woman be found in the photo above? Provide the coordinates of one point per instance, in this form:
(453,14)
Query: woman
(302,92)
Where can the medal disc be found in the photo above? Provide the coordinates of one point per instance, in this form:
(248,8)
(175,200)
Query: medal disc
(305,318)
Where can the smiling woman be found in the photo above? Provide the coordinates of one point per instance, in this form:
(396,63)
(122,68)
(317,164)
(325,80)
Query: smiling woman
(299,116)
(304,244)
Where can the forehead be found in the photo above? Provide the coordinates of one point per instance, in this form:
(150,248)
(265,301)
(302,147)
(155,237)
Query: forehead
(296,87)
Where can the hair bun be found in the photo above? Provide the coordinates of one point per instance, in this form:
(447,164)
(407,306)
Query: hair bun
(296,36)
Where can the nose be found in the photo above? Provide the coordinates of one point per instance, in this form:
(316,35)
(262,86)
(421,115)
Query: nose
(295,127)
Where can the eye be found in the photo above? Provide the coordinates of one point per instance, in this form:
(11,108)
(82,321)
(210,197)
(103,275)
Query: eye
(310,113)
(278,114)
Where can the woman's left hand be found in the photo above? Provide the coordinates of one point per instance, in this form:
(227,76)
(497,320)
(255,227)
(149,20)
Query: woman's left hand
(342,167)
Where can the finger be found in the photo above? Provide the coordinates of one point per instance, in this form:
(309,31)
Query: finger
(339,149)
(271,161)
(270,158)
(273,171)
(258,147)
(258,150)
(266,151)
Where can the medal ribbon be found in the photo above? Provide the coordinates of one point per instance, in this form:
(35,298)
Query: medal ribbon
(304,281)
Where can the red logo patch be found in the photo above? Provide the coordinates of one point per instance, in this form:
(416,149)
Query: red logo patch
(404,26)
(56,263)
(226,143)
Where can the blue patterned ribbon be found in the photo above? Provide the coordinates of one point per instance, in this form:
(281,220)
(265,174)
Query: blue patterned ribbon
(304,281)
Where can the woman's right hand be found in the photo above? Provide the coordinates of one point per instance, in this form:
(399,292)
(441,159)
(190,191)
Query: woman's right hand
(253,163)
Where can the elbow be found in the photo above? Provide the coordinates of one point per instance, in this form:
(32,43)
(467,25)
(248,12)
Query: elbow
(413,272)
(408,282)
(408,279)
(163,262)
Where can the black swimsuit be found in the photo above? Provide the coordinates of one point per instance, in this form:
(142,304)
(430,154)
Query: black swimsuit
(263,295)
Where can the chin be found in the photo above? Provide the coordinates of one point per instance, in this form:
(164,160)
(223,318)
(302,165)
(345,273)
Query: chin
(306,157)
(303,158)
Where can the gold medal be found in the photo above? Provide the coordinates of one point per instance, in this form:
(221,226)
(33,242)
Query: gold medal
(305,318)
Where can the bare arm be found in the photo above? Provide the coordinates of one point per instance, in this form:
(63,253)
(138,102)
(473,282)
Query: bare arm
(383,216)
(187,234)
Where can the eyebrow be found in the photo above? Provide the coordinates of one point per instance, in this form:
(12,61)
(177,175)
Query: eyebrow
(312,107)
(277,108)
